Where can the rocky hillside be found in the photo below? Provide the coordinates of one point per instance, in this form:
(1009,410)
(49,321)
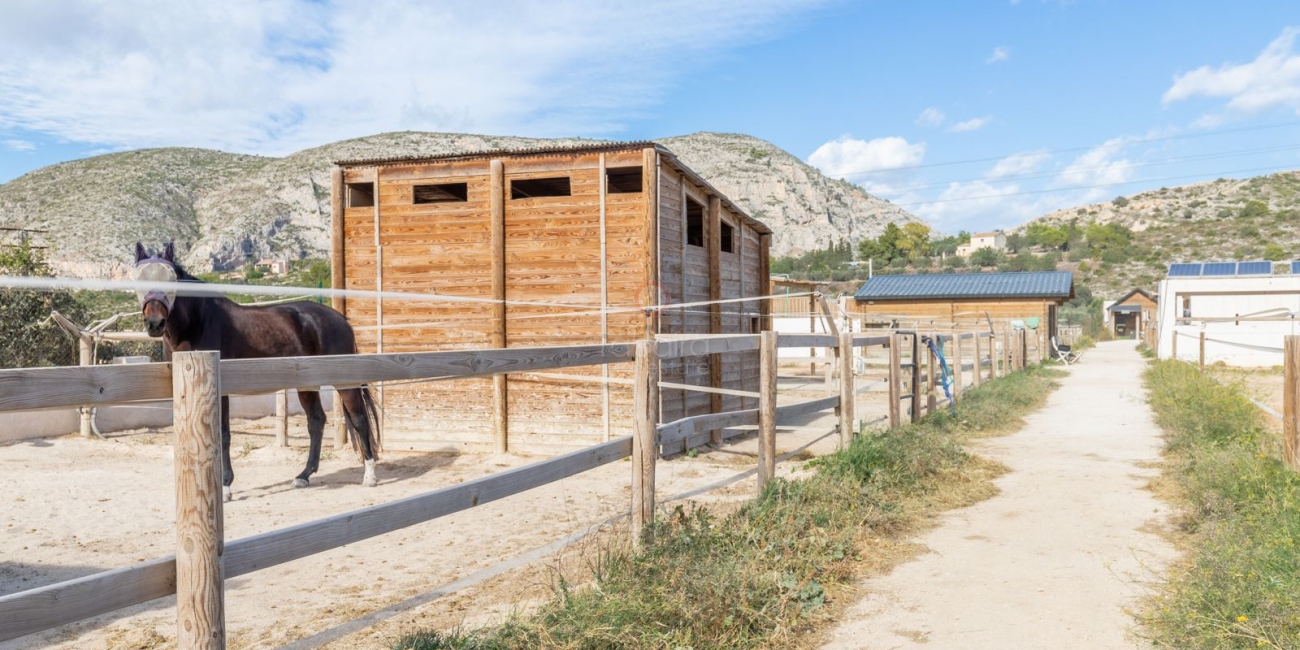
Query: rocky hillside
(224,208)
(1250,219)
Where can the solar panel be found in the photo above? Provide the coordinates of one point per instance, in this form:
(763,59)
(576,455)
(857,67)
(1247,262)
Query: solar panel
(1186,270)
(1219,268)
(1255,268)
(1295,268)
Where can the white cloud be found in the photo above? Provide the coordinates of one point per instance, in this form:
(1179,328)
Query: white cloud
(847,156)
(17,145)
(271,76)
(930,117)
(999,55)
(973,124)
(1272,80)
(1100,165)
(1018,163)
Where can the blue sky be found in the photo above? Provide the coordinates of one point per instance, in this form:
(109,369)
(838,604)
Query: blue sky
(973,115)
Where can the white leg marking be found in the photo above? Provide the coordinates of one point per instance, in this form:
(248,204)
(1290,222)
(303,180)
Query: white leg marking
(370,480)
(226,494)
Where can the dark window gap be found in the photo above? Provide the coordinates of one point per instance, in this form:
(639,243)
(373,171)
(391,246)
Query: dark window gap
(440,193)
(694,222)
(528,188)
(725,242)
(360,195)
(623,180)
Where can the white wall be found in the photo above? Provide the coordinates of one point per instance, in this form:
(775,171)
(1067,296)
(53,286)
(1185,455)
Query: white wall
(23,425)
(1246,343)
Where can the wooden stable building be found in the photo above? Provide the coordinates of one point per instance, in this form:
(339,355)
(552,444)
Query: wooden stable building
(545,247)
(1132,315)
(965,300)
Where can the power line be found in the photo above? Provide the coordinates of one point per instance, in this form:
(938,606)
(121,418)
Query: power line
(1090,187)
(968,161)
(1127,165)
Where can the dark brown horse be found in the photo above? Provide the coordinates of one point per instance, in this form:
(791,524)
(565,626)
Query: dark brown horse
(204,322)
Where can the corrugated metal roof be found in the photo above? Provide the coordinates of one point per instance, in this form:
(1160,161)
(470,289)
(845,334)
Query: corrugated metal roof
(595,147)
(1028,284)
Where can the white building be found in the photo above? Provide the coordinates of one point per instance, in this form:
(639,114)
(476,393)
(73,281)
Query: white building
(1243,310)
(997,240)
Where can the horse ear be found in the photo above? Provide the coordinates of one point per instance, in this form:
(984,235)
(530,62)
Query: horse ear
(169,253)
(139,252)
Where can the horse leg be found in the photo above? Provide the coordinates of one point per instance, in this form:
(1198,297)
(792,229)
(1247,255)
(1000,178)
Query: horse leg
(354,408)
(227,471)
(310,401)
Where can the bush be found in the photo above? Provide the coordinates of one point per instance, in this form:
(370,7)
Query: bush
(1120,201)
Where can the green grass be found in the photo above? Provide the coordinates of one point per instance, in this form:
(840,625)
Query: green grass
(765,574)
(1239,586)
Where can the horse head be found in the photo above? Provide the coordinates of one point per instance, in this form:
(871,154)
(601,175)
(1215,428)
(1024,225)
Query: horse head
(156,302)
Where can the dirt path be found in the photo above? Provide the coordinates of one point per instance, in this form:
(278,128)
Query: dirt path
(1058,556)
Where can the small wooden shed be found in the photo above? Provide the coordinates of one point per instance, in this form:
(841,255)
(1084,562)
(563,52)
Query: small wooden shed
(966,299)
(563,246)
(1130,315)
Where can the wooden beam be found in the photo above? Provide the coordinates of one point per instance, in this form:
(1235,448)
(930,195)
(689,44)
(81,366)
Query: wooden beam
(790,412)
(979,361)
(957,375)
(931,395)
(282,418)
(43,608)
(645,443)
(338,251)
(684,428)
(895,380)
(715,294)
(498,339)
(605,415)
(673,349)
(767,359)
(1202,364)
(85,358)
(200,591)
(916,377)
(23,389)
(814,341)
(650,194)
(847,395)
(765,279)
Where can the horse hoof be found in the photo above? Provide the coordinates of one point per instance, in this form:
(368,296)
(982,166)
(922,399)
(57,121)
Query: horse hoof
(370,481)
(226,494)
(300,482)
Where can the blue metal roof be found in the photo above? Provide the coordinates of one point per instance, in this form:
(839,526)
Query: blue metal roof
(1028,284)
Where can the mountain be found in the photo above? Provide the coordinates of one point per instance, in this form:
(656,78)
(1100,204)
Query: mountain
(223,208)
(1223,219)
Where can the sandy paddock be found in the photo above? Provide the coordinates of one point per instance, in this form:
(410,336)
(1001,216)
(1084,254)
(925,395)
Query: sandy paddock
(72,507)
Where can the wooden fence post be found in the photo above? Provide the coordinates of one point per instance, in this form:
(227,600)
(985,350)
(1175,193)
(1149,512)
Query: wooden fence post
(200,595)
(931,397)
(895,379)
(979,361)
(645,443)
(1174,339)
(1202,350)
(916,376)
(282,418)
(767,362)
(847,397)
(340,422)
(1291,403)
(86,357)
(958,375)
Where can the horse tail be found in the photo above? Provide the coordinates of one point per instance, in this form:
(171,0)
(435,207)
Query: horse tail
(372,426)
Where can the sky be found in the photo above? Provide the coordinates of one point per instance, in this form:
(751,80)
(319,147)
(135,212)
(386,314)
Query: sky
(973,115)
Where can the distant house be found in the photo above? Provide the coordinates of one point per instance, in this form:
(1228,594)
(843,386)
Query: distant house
(1131,315)
(966,300)
(997,240)
(272,266)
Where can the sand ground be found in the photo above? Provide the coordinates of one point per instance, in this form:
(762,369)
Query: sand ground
(1055,560)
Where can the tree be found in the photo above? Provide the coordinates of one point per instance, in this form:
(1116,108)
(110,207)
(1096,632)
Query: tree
(1038,234)
(883,249)
(985,257)
(1274,253)
(914,241)
(1015,242)
(26,342)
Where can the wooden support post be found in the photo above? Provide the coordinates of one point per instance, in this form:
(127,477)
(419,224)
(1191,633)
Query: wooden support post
(767,359)
(282,418)
(338,261)
(645,443)
(1202,350)
(932,372)
(958,376)
(812,329)
(85,357)
(895,380)
(916,376)
(1291,403)
(497,244)
(200,594)
(833,329)
(847,397)
(979,360)
(715,309)
(1174,339)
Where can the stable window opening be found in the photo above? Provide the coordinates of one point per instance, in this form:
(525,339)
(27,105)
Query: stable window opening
(725,241)
(440,193)
(694,223)
(753,325)
(361,195)
(529,188)
(623,180)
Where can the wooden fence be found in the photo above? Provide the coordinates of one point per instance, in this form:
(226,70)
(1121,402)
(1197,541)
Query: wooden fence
(195,381)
